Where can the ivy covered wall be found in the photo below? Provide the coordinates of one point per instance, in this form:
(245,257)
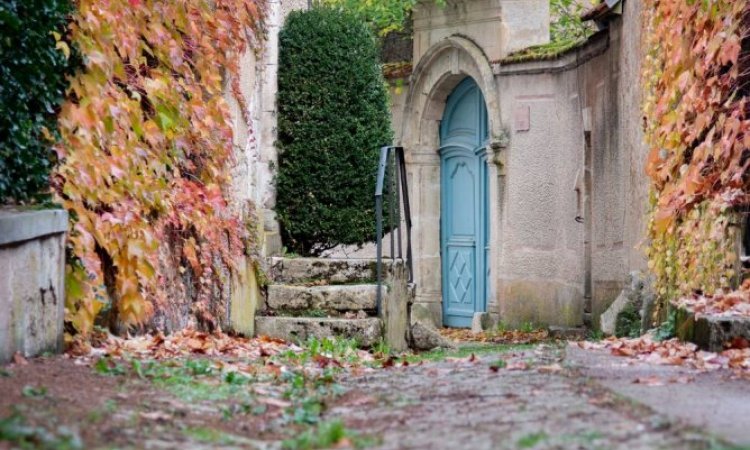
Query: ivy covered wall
(696,107)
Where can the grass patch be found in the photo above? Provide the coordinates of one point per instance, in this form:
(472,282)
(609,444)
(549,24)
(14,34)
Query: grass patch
(107,409)
(189,379)
(464,351)
(594,335)
(34,391)
(15,431)
(209,435)
(327,435)
(532,439)
(336,348)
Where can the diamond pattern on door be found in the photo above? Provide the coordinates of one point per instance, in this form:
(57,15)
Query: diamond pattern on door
(461,278)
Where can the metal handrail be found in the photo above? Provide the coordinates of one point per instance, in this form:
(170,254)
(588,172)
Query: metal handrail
(397,190)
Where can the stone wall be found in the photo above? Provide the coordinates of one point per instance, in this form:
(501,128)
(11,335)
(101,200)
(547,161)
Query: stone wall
(255,158)
(497,26)
(32,289)
(255,143)
(539,258)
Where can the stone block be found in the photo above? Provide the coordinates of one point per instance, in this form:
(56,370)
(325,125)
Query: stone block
(395,308)
(426,337)
(334,271)
(367,332)
(710,332)
(355,297)
(482,321)
(245,299)
(426,312)
(637,295)
(608,320)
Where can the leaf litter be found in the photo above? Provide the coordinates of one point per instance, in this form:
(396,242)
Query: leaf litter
(674,352)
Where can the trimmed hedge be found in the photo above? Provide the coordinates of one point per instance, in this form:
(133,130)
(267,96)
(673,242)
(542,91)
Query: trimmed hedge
(32,86)
(333,117)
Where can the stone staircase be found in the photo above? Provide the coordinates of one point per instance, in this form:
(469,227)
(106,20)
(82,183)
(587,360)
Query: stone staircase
(322,297)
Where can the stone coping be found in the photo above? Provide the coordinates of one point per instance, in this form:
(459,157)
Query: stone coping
(23,225)
(568,60)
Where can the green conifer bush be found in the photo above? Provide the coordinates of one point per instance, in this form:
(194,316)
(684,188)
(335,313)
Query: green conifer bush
(333,117)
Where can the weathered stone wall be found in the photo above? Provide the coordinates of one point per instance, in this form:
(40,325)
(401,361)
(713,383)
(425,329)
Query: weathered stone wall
(539,259)
(255,143)
(255,158)
(611,85)
(32,289)
(593,90)
(497,26)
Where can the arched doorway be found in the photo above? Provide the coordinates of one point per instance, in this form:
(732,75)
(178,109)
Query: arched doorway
(464,234)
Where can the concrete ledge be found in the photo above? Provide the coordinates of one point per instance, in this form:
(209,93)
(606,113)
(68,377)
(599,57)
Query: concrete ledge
(19,226)
(32,285)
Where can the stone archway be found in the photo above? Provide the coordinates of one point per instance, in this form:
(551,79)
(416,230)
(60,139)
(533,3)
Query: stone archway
(435,76)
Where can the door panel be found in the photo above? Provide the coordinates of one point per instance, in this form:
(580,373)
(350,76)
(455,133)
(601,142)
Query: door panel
(464,204)
(461,181)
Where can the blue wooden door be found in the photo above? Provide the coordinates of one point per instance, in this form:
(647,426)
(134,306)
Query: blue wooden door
(464,231)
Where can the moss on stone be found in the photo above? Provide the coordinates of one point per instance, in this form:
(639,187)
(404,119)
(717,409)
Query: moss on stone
(628,322)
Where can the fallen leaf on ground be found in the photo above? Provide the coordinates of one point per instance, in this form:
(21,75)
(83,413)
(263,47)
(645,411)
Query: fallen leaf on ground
(650,381)
(674,352)
(19,359)
(157,416)
(471,358)
(553,368)
(495,337)
(270,401)
(518,365)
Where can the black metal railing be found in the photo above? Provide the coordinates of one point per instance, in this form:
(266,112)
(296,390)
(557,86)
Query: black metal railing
(392,180)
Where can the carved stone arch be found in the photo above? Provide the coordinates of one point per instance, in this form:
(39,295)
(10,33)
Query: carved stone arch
(435,76)
(441,68)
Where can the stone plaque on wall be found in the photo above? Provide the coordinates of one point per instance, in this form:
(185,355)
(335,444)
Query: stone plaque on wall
(522,118)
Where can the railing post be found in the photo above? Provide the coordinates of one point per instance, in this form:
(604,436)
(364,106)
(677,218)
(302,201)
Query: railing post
(397,176)
(407,210)
(397,182)
(379,225)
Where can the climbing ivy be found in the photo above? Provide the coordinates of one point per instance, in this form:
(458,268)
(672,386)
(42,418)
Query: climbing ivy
(146,150)
(35,60)
(383,15)
(697,77)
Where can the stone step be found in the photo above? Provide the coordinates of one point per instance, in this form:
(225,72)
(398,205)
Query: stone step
(330,270)
(367,332)
(352,297)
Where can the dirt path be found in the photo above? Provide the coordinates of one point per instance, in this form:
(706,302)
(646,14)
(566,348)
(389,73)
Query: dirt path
(500,398)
